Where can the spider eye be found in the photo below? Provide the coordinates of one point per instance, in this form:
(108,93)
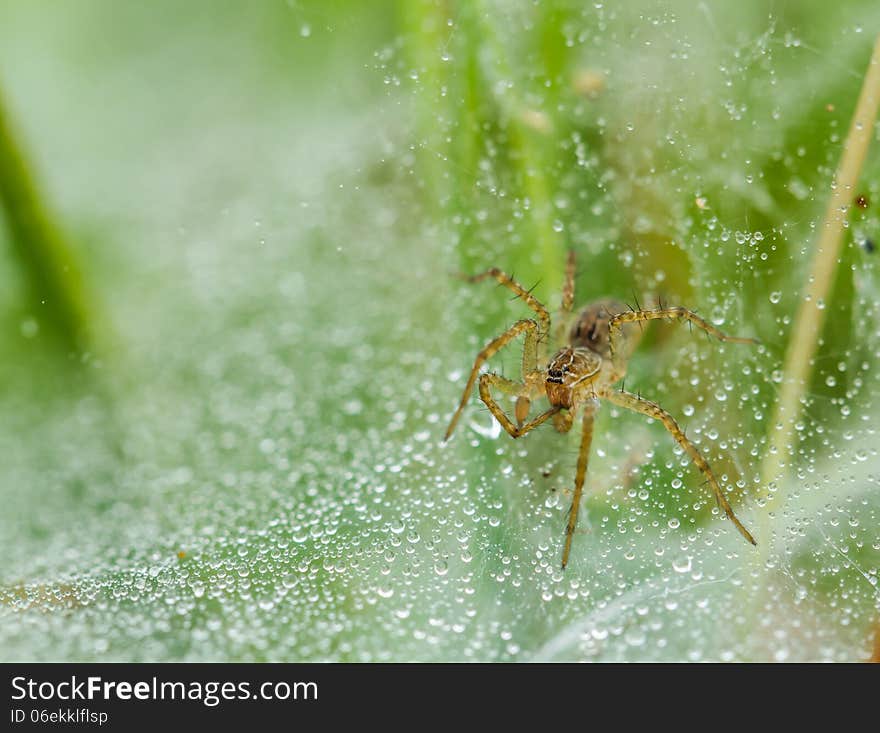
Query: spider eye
(554,375)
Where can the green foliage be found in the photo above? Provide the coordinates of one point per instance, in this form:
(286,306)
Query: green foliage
(57,297)
(269,200)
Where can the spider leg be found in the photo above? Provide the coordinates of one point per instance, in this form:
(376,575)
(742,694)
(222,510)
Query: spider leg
(507,281)
(568,287)
(567,297)
(563,421)
(652,409)
(529,360)
(522,391)
(638,316)
(487,381)
(580,476)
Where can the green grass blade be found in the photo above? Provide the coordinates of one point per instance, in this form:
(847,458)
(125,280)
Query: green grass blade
(60,303)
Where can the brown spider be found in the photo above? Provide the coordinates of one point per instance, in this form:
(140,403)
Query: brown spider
(600,343)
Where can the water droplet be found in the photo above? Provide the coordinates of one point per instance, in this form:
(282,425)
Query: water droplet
(682,564)
(29,328)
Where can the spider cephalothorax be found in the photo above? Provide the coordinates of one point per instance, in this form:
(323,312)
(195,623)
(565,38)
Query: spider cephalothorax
(592,358)
(570,376)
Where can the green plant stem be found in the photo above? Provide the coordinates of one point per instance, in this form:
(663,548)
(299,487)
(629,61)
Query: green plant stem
(424,26)
(810,317)
(49,266)
(531,162)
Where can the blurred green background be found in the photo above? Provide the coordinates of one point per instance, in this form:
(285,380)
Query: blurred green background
(230,343)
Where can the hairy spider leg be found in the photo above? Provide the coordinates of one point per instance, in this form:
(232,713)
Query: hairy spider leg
(568,287)
(665,313)
(530,300)
(652,409)
(563,421)
(529,360)
(487,381)
(523,391)
(583,460)
(567,298)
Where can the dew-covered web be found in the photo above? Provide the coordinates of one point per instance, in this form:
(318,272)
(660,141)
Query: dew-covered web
(268,481)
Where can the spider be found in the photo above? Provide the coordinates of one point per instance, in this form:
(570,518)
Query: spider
(583,371)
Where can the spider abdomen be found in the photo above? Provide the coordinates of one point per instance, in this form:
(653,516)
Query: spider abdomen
(591,329)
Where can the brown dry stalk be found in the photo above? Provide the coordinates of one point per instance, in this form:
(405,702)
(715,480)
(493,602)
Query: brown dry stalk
(810,316)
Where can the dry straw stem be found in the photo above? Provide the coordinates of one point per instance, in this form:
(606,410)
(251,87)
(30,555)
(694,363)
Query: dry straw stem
(810,316)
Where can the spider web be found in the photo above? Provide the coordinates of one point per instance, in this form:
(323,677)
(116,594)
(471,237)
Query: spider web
(277,488)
